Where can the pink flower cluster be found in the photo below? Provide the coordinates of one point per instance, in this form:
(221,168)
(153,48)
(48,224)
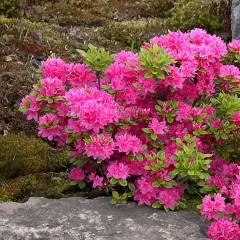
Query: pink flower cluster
(224,208)
(147,194)
(136,129)
(76,174)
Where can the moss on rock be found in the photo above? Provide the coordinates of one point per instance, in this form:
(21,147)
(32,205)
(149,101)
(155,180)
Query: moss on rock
(132,34)
(21,155)
(49,185)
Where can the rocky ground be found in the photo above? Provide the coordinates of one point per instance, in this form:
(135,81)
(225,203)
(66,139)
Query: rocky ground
(32,31)
(82,219)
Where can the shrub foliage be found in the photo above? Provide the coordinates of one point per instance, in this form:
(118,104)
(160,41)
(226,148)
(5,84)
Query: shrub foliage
(155,126)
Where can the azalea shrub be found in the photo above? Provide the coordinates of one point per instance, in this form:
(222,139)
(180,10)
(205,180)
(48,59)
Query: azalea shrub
(157,127)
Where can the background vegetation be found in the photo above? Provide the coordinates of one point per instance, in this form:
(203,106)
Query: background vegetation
(33,30)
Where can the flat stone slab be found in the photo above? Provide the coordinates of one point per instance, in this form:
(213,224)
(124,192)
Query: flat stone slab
(97,219)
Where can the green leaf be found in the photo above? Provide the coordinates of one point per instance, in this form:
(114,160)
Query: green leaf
(148,168)
(81,185)
(114,201)
(123,126)
(139,157)
(168,184)
(147,130)
(80,51)
(73,183)
(131,156)
(182,205)
(115,194)
(160,75)
(123,182)
(70,139)
(179,142)
(148,75)
(58,98)
(124,196)
(44,125)
(153,136)
(170,119)
(130,194)
(133,123)
(55,123)
(23,109)
(156,184)
(80,162)
(34,93)
(113,181)
(158,108)
(50,100)
(157,204)
(166,208)
(72,160)
(131,187)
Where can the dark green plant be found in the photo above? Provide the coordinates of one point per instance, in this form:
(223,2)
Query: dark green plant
(189,14)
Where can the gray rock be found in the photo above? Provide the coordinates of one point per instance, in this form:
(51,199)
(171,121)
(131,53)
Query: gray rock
(236,19)
(97,219)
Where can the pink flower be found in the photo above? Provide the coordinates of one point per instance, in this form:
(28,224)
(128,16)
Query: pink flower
(236,118)
(188,92)
(32,106)
(219,181)
(55,68)
(97,181)
(230,71)
(170,196)
(145,193)
(175,78)
(217,164)
(49,127)
(230,209)
(118,83)
(211,208)
(158,127)
(224,229)
(127,57)
(129,95)
(183,112)
(118,170)
(79,75)
(94,108)
(100,147)
(128,143)
(76,174)
(234,46)
(215,123)
(148,85)
(51,87)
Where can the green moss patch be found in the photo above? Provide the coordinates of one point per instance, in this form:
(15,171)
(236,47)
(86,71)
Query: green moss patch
(21,155)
